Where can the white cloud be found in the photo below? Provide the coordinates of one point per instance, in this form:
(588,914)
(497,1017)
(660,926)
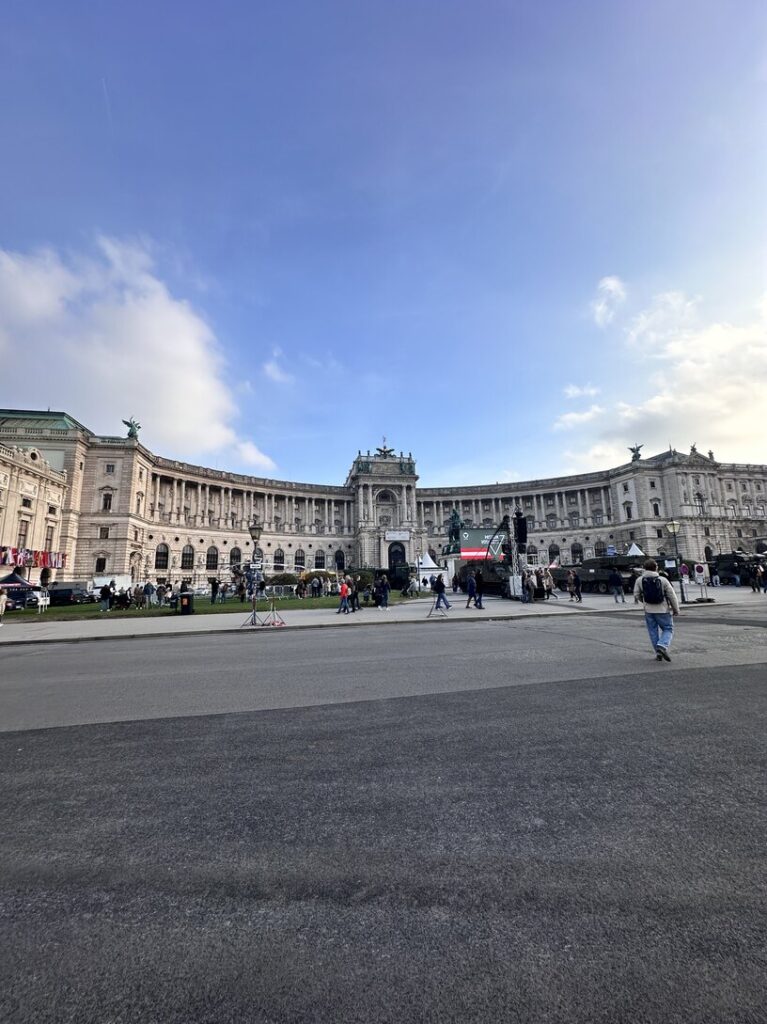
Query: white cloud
(692,381)
(611,293)
(569,420)
(274,371)
(102,337)
(671,315)
(580,391)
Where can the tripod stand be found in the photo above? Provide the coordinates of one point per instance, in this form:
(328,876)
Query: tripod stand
(440,612)
(272,617)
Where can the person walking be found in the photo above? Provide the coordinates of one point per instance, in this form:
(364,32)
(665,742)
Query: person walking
(105,596)
(214,591)
(439,590)
(480,590)
(3,603)
(577,586)
(548,582)
(471,589)
(615,582)
(571,584)
(344,602)
(385,588)
(455,583)
(660,607)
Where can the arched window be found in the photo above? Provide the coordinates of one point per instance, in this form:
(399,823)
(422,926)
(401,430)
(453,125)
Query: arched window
(299,560)
(340,560)
(576,553)
(553,552)
(187,557)
(235,557)
(161,556)
(600,549)
(319,560)
(279,560)
(211,559)
(258,554)
(531,554)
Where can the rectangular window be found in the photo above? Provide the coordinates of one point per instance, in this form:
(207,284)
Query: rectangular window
(629,513)
(23,532)
(101,565)
(110,468)
(659,533)
(631,534)
(625,488)
(707,531)
(652,484)
(103,533)
(26,503)
(141,474)
(106,502)
(52,510)
(135,534)
(49,532)
(739,533)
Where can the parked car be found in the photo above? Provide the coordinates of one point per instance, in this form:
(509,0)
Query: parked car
(65,596)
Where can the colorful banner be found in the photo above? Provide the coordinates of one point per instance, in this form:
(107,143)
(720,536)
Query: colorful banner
(33,559)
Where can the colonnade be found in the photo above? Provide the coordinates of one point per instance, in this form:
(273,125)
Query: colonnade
(546,509)
(201,503)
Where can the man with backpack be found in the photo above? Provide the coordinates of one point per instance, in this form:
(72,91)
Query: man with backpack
(660,607)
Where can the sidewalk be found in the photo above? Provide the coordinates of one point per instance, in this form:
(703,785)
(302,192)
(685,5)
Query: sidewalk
(415,611)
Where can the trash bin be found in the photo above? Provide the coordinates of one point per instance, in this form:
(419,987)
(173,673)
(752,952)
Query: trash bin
(186,603)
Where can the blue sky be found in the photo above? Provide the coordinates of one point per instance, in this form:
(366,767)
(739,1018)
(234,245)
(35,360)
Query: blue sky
(514,238)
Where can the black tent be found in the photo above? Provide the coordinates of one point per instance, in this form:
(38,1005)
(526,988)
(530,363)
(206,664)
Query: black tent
(15,582)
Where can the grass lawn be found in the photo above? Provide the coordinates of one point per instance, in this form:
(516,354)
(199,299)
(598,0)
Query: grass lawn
(202,606)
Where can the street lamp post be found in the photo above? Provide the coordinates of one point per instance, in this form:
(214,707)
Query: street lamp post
(673,528)
(255,529)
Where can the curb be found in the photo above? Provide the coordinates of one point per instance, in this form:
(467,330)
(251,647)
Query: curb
(541,614)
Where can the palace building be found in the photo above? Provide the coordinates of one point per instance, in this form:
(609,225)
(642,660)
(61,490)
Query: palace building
(84,505)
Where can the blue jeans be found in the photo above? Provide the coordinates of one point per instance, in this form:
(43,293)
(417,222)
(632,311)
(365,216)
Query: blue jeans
(660,626)
(618,594)
(441,597)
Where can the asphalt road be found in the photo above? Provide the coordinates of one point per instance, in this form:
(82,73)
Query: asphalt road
(480,823)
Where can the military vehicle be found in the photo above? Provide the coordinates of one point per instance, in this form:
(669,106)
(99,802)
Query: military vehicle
(595,572)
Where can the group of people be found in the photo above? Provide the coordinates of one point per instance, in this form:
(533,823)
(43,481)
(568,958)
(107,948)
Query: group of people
(143,595)
(539,583)
(351,588)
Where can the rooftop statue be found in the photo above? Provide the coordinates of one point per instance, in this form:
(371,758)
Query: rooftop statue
(635,456)
(384,452)
(133,427)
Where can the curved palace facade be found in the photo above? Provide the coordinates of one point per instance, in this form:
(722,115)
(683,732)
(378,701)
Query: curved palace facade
(88,505)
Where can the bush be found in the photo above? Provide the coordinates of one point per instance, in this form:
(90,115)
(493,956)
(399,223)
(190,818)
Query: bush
(282,579)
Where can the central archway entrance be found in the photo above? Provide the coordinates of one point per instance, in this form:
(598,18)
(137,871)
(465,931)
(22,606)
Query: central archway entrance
(398,569)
